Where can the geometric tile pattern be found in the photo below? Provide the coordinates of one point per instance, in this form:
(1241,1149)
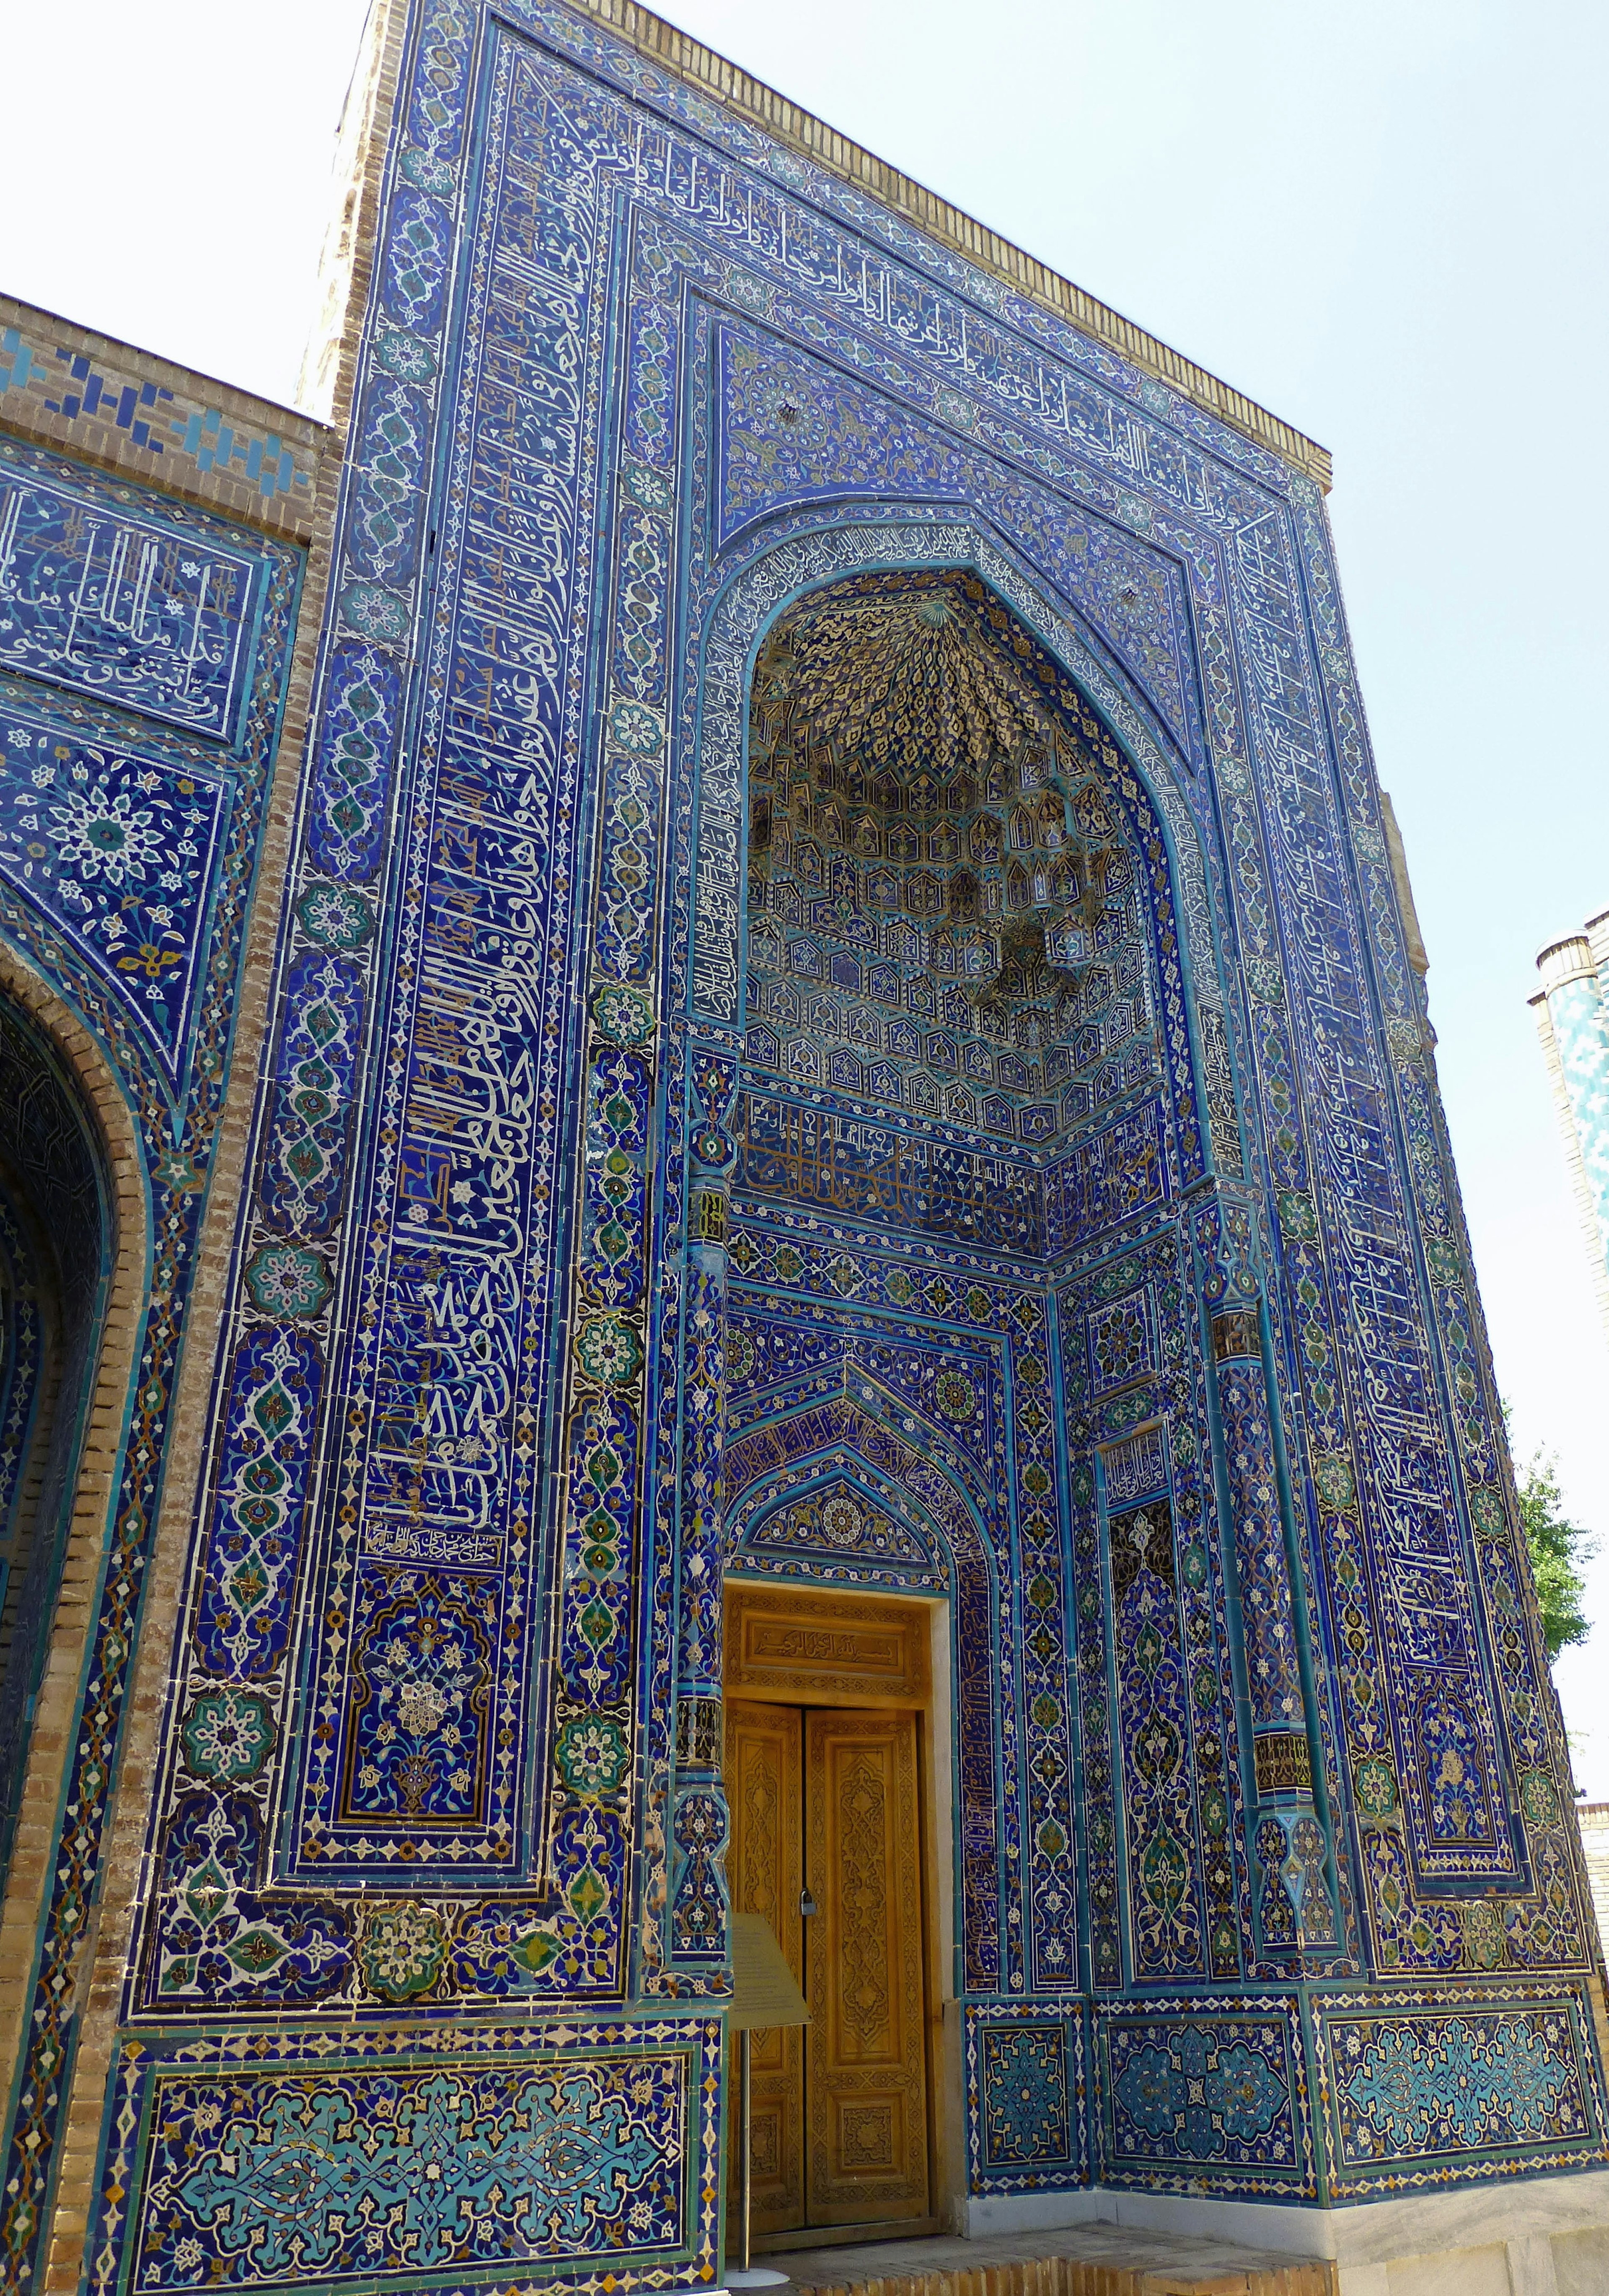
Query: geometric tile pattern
(119,850)
(1214,2091)
(1508,2068)
(472,2153)
(837,1526)
(1024,2108)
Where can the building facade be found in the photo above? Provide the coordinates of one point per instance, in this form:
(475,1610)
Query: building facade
(1574,1030)
(796,1153)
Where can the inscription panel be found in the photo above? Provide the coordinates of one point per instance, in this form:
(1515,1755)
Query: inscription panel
(846,1649)
(125,608)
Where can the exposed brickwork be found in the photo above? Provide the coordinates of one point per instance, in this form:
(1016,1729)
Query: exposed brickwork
(131,411)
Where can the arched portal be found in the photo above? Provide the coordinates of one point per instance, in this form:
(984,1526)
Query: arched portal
(54,1266)
(819,1491)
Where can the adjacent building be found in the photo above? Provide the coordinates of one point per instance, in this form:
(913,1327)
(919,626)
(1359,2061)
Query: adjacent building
(1573,1026)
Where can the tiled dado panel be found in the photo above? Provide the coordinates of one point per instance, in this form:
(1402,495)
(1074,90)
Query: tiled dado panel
(634,377)
(1328,2096)
(1026,2076)
(1189,2096)
(1419,2088)
(1343,2096)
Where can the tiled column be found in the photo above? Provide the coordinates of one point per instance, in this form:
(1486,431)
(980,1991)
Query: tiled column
(698,1822)
(1295,1906)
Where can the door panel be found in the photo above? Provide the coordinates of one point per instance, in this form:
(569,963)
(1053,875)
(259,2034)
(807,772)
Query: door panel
(865,2045)
(763,1785)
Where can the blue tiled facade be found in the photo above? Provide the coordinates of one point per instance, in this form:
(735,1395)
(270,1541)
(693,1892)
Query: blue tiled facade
(146,654)
(722,1116)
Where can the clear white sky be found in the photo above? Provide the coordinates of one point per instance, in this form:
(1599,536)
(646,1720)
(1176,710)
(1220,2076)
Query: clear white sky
(1385,222)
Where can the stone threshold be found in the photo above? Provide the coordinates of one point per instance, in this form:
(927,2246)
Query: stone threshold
(1090,2260)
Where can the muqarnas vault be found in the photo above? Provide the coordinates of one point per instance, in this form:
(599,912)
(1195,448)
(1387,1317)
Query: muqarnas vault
(842,1295)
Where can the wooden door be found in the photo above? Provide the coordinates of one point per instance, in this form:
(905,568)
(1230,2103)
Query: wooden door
(865,2047)
(765,1870)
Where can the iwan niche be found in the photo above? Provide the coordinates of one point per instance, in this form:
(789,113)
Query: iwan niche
(950,931)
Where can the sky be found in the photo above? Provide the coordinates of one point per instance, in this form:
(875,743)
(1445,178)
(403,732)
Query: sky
(1386,222)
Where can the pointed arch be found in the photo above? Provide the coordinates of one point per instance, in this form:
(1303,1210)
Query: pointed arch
(836,1518)
(73,1497)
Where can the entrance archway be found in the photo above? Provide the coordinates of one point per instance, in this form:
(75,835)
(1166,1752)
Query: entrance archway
(967,1048)
(964,1175)
(54,1269)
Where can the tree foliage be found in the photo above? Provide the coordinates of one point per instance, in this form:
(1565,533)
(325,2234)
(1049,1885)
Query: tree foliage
(1558,1548)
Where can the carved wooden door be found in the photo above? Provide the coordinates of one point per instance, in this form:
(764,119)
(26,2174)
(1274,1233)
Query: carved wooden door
(865,2047)
(764,1869)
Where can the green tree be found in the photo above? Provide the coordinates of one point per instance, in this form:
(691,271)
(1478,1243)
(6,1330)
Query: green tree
(1558,1548)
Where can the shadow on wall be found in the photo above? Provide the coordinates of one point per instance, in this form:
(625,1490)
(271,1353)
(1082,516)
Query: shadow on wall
(55,1263)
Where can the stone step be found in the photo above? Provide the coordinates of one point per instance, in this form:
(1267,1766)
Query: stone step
(1098,2260)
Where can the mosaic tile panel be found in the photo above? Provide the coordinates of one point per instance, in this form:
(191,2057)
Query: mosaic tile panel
(443,2151)
(130,611)
(837,1526)
(119,850)
(1422,2090)
(1225,2092)
(1025,2080)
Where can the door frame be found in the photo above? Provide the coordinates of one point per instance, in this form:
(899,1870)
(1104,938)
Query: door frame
(921,1688)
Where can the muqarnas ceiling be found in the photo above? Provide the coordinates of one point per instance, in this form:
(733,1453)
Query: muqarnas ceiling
(943,915)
